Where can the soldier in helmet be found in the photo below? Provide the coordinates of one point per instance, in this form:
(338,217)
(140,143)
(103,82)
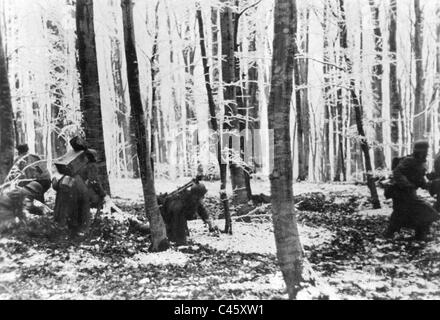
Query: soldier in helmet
(78,192)
(20,199)
(409,210)
(177,210)
(30,167)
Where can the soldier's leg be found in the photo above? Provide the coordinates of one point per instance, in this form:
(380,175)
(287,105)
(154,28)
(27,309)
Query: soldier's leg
(84,214)
(178,227)
(393,224)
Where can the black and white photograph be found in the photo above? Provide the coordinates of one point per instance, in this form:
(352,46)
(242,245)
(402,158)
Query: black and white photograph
(232,151)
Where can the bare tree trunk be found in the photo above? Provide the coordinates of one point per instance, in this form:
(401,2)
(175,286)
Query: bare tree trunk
(326,92)
(395,101)
(379,158)
(6,119)
(214,126)
(158,232)
(419,103)
(254,109)
(302,107)
(154,92)
(358,109)
(231,125)
(90,93)
(289,250)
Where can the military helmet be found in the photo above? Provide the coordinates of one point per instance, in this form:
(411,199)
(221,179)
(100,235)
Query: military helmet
(35,190)
(198,190)
(421,145)
(92,155)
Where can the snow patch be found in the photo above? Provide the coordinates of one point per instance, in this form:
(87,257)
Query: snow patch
(168,257)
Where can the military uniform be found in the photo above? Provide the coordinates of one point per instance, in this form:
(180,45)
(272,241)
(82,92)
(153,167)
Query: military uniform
(409,210)
(77,193)
(176,211)
(13,203)
(31,167)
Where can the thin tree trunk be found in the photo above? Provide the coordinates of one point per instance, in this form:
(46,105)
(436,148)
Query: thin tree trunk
(214,126)
(254,109)
(154,70)
(90,93)
(302,107)
(326,92)
(419,103)
(289,250)
(231,125)
(158,232)
(6,119)
(379,158)
(395,100)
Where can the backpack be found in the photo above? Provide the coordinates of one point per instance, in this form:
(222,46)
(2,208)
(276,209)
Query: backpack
(389,185)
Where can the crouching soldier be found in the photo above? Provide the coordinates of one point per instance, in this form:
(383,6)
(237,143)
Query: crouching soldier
(14,203)
(29,167)
(409,210)
(178,209)
(78,188)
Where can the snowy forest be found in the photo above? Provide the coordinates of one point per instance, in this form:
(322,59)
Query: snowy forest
(288,112)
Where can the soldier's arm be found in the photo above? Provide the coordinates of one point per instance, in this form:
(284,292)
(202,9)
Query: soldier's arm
(203,213)
(399,174)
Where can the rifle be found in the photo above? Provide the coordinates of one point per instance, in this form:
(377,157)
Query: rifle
(193,182)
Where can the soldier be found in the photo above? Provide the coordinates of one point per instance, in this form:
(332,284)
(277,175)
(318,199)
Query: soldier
(409,210)
(30,167)
(14,203)
(177,210)
(434,190)
(78,192)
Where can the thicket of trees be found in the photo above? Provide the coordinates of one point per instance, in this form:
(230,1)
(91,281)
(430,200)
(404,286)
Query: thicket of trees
(385,52)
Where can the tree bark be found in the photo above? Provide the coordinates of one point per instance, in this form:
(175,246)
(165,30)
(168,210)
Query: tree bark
(6,119)
(158,232)
(289,250)
(395,101)
(379,158)
(213,124)
(90,93)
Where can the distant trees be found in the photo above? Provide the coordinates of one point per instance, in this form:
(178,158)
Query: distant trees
(6,118)
(158,232)
(289,250)
(90,89)
(356,103)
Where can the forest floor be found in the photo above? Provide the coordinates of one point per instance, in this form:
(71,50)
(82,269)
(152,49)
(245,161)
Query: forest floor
(341,235)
